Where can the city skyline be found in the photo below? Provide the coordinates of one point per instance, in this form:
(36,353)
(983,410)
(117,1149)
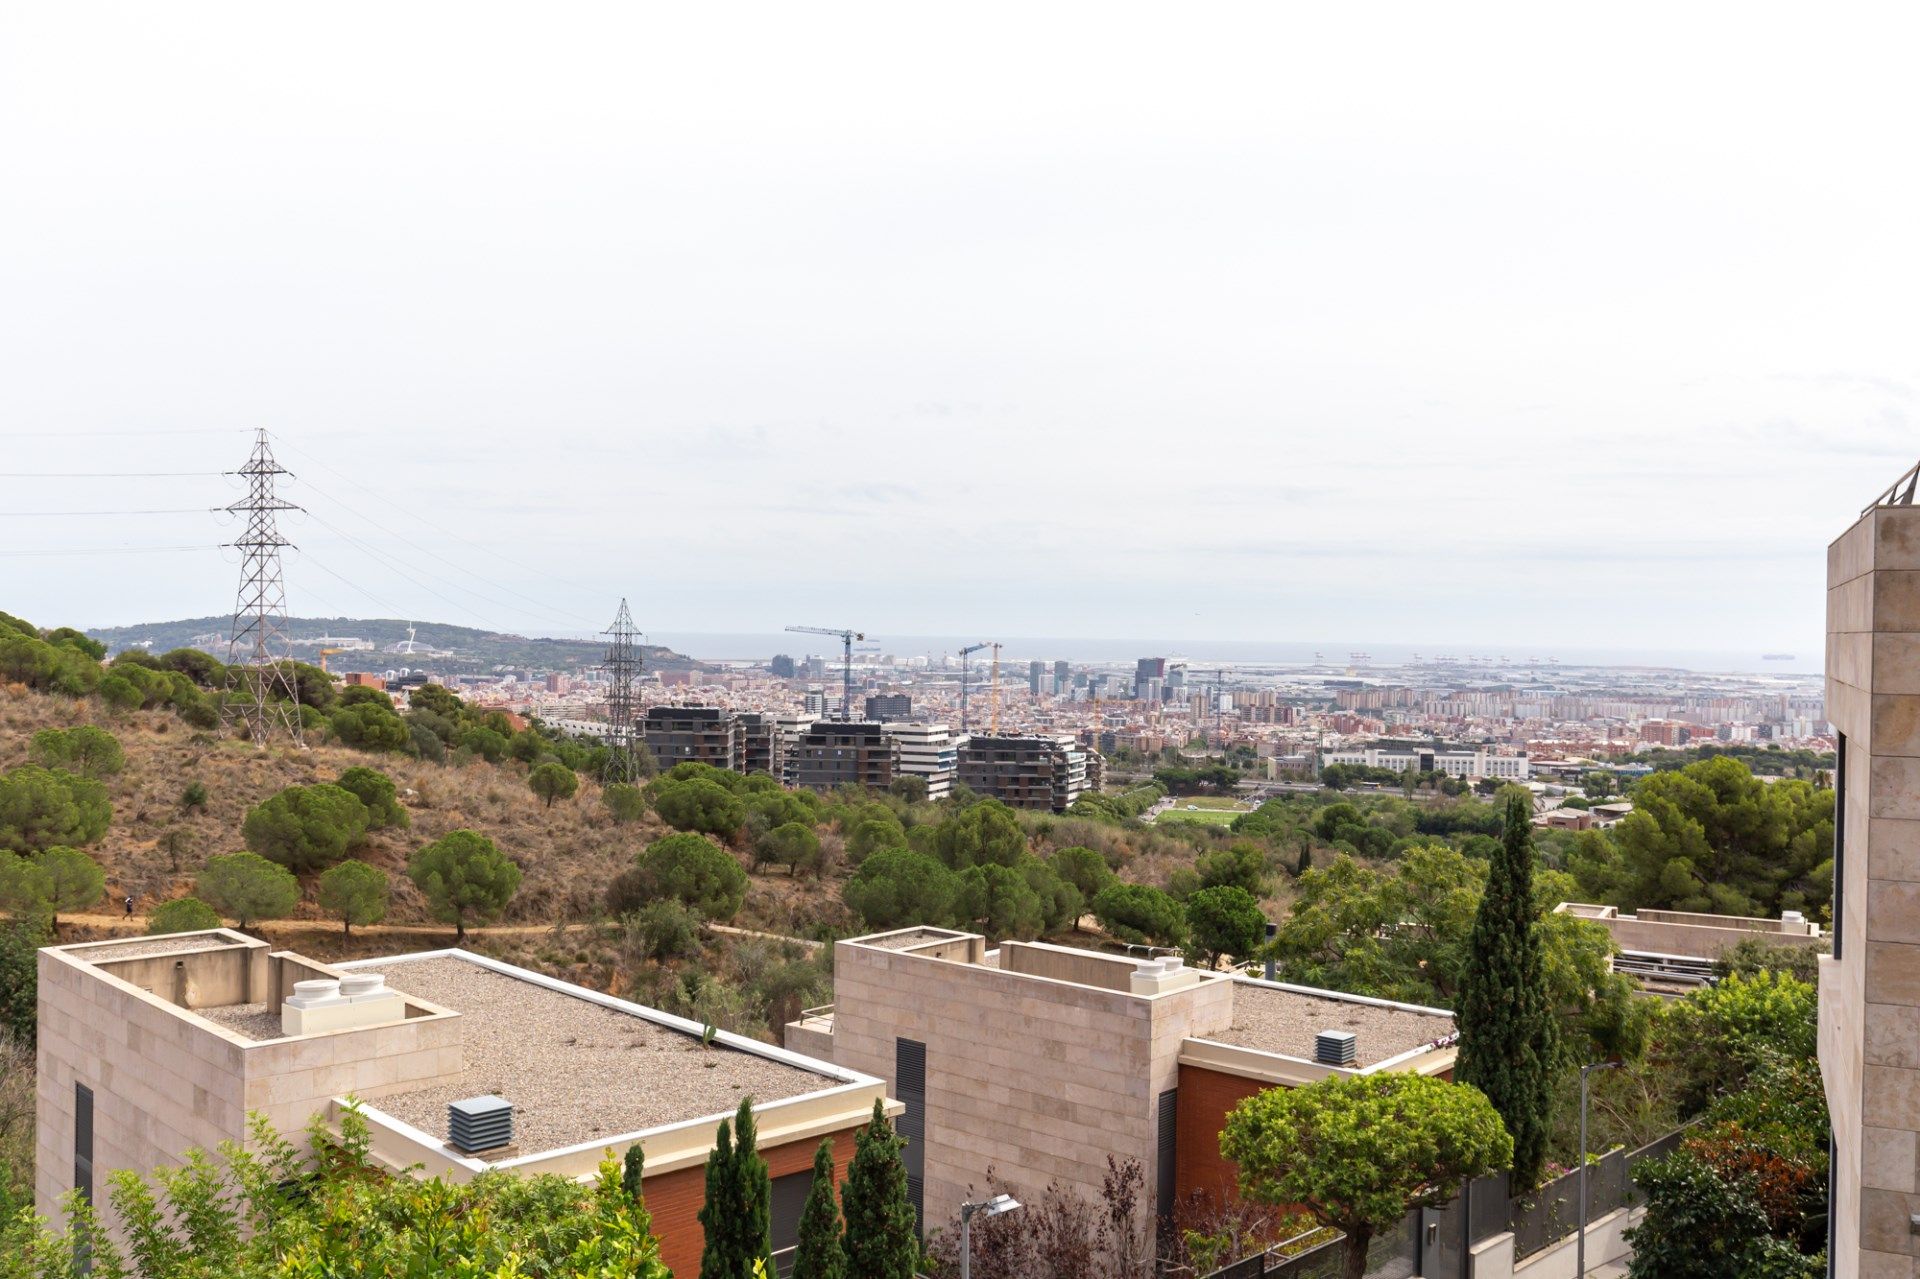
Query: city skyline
(1468,344)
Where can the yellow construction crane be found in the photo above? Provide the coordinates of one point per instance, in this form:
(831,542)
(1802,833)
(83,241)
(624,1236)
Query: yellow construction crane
(325,653)
(993,692)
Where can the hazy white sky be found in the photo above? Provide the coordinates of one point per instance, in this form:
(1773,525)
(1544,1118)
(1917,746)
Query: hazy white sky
(1452,324)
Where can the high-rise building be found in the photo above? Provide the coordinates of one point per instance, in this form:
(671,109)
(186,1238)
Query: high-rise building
(885,708)
(1062,678)
(816,701)
(756,743)
(927,751)
(781,666)
(1039,772)
(834,753)
(1036,675)
(1148,674)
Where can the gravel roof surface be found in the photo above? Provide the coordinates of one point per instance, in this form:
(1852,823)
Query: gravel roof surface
(1283,1021)
(155,946)
(250,1020)
(575,1070)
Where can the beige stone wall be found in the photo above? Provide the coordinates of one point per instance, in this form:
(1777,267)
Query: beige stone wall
(1870,997)
(293,1080)
(161,1083)
(1693,940)
(1039,1080)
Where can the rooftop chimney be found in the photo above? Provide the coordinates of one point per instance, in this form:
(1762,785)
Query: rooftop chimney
(1336,1048)
(340,1003)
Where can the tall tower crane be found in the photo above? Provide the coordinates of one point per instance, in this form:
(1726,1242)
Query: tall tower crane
(846,639)
(965,654)
(993,691)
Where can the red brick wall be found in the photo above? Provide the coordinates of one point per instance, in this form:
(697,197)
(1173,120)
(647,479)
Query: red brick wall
(1205,1098)
(674,1198)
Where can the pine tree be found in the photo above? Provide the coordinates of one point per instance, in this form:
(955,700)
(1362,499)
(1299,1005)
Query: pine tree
(881,1241)
(820,1255)
(1507,1029)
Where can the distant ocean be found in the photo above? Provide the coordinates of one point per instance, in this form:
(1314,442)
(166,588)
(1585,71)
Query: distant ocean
(714,646)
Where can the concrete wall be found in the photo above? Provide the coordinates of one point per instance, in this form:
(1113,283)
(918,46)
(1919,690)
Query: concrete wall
(1606,1241)
(1039,1080)
(1870,995)
(161,1083)
(1696,941)
(209,978)
(1088,968)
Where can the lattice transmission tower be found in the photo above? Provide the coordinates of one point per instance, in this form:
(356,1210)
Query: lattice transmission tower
(261,692)
(623,668)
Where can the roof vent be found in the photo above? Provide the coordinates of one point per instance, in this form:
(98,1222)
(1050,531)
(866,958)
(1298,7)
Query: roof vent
(480,1123)
(1335,1048)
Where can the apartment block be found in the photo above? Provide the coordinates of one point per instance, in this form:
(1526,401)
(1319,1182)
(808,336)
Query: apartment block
(1040,772)
(887,708)
(151,1046)
(1870,985)
(690,734)
(1040,1061)
(927,751)
(757,746)
(831,753)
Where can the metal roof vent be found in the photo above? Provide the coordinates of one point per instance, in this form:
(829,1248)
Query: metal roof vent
(1335,1048)
(480,1123)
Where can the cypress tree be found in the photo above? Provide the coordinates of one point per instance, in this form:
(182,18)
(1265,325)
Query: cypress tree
(820,1255)
(735,1218)
(880,1240)
(717,1254)
(632,1168)
(1507,1029)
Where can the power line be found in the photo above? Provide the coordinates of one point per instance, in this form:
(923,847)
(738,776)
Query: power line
(108,475)
(259,648)
(380,558)
(444,532)
(171,510)
(107,550)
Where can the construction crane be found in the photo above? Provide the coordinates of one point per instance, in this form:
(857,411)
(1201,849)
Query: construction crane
(993,692)
(325,653)
(965,654)
(846,639)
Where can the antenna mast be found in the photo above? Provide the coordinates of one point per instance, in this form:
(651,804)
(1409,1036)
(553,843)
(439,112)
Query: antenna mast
(623,666)
(259,650)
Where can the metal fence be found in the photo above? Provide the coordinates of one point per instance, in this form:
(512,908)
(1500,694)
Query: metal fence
(1546,1216)
(1393,1255)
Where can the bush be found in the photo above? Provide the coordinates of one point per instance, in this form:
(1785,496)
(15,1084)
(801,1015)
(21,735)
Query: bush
(376,791)
(695,872)
(247,887)
(485,743)
(871,834)
(625,802)
(662,930)
(305,828)
(194,796)
(182,915)
(20,942)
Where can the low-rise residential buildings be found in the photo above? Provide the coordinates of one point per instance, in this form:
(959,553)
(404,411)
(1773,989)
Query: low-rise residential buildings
(1040,1062)
(149,1047)
(1471,762)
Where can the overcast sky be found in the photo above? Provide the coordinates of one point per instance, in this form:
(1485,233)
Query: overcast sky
(1443,324)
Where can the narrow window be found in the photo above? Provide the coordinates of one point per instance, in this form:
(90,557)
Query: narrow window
(83,1141)
(788,1197)
(1169,1145)
(1839,840)
(910,1082)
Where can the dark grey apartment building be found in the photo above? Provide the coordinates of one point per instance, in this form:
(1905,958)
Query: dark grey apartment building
(889,708)
(831,753)
(698,734)
(1040,772)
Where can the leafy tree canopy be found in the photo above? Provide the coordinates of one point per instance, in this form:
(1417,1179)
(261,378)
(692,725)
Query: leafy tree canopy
(465,878)
(376,791)
(84,751)
(695,872)
(306,827)
(896,888)
(247,887)
(356,892)
(42,807)
(182,915)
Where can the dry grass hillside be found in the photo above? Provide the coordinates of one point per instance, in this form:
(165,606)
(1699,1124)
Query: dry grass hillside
(567,854)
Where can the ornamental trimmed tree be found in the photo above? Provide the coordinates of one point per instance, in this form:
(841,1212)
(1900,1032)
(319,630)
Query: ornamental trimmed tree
(819,1254)
(881,1239)
(736,1217)
(246,887)
(356,892)
(464,878)
(1508,1032)
(552,780)
(1359,1152)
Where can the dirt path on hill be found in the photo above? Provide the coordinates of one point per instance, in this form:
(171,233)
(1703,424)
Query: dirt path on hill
(137,926)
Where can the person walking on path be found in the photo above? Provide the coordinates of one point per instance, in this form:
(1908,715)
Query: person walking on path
(129,905)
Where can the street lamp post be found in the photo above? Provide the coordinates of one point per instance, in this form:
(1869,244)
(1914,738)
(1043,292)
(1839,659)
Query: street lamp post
(985,1208)
(1580,1248)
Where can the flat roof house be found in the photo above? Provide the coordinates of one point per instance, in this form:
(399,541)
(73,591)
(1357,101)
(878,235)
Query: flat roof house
(1040,1061)
(150,1046)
